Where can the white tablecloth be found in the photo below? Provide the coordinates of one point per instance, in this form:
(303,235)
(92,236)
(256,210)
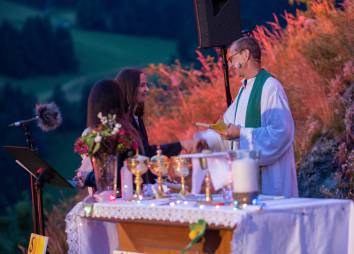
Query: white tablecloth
(295,225)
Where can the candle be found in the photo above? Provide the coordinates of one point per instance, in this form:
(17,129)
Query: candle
(245,175)
(126,182)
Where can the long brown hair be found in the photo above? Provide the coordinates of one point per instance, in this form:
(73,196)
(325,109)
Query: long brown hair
(128,80)
(106,97)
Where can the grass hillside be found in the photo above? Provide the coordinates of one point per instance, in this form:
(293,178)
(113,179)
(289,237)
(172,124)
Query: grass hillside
(16,13)
(100,54)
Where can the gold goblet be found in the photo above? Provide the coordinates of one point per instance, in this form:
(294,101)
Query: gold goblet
(138,165)
(181,168)
(159,166)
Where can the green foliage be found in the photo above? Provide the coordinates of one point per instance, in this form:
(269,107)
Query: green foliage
(12,61)
(17,225)
(36,49)
(17,105)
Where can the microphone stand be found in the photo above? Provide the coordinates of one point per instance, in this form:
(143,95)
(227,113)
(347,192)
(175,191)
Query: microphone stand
(36,189)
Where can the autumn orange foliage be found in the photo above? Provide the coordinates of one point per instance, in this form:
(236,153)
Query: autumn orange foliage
(305,56)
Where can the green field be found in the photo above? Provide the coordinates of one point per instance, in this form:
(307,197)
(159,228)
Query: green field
(100,54)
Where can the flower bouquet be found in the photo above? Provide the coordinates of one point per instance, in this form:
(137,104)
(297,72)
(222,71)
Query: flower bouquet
(103,144)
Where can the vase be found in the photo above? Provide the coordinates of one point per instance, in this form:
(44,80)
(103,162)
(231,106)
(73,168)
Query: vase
(105,169)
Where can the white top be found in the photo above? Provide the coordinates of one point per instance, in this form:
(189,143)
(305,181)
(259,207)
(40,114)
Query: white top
(274,138)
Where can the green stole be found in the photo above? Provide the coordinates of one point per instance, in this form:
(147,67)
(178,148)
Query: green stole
(253,113)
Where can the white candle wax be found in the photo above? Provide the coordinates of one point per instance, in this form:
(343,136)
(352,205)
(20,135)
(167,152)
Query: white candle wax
(245,175)
(126,181)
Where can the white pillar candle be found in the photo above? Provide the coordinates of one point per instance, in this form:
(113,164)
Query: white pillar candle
(245,175)
(126,181)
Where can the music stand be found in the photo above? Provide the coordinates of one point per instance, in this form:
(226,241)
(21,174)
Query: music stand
(43,174)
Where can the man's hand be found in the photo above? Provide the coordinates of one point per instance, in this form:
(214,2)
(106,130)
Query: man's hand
(232,132)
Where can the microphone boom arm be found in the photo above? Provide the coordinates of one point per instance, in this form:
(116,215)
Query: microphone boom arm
(21,122)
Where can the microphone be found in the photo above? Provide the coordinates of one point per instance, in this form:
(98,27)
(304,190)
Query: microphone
(19,123)
(48,116)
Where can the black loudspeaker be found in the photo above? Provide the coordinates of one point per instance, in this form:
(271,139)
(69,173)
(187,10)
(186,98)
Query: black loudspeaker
(218,22)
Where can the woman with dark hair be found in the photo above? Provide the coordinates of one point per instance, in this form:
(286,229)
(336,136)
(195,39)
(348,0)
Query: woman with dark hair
(134,86)
(107,98)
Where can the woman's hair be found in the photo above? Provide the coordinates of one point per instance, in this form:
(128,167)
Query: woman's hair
(128,80)
(106,97)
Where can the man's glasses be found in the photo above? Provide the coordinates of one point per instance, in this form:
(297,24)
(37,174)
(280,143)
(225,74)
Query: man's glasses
(234,54)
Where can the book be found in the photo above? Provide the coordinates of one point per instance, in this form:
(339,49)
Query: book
(37,244)
(219,126)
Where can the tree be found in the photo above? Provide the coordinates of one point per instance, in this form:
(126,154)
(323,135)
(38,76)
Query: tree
(11,52)
(90,15)
(38,41)
(65,51)
(36,49)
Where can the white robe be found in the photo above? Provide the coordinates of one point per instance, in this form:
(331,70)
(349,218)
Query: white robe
(274,138)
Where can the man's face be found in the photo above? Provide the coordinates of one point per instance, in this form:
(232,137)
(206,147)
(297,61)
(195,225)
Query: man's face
(236,60)
(143,89)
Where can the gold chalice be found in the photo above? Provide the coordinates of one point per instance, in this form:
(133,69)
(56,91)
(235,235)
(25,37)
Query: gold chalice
(159,166)
(181,168)
(138,165)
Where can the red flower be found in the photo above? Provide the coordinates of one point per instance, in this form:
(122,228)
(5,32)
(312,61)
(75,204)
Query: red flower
(80,147)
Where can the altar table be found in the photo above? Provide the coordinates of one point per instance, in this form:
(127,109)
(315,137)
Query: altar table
(274,225)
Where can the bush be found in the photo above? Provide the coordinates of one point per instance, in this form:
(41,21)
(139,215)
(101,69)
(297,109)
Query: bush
(312,56)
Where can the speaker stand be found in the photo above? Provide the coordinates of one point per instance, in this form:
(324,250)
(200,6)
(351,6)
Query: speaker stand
(226,75)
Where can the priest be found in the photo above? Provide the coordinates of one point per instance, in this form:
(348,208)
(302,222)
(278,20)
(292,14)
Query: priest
(259,118)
